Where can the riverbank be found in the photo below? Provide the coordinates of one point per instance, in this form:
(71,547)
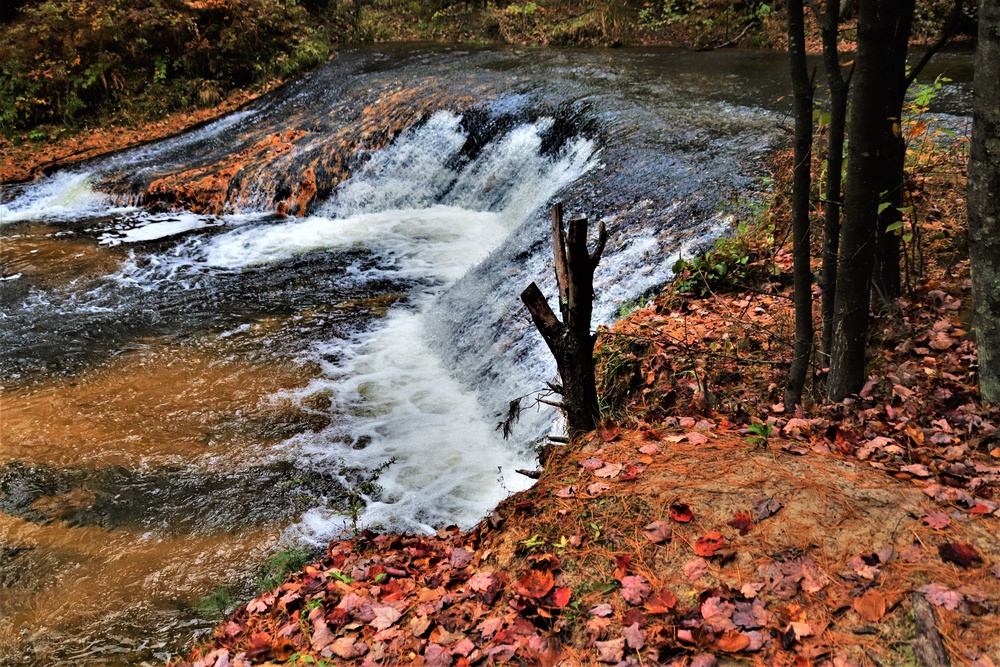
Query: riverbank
(701,525)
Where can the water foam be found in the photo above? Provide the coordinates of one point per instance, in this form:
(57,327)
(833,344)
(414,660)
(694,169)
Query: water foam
(61,196)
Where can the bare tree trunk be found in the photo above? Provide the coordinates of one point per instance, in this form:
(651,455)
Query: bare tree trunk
(801,179)
(834,166)
(984,200)
(869,112)
(570,341)
(886,277)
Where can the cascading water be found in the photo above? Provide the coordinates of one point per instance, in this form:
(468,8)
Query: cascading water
(184,389)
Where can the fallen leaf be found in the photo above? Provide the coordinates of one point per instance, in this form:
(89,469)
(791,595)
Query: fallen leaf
(940,595)
(635,589)
(592,464)
(597,488)
(704,660)
(460,558)
(733,641)
(870,606)
(696,438)
(767,507)
(681,513)
(661,602)
(608,470)
(566,491)
(601,610)
(347,648)
(960,553)
(634,637)
(937,519)
(695,569)
(710,543)
(560,597)
(918,469)
(912,553)
(650,449)
(741,522)
(611,651)
(608,430)
(385,615)
(534,583)
(658,532)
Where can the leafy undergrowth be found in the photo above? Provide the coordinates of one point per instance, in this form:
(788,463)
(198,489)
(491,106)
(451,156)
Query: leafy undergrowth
(702,525)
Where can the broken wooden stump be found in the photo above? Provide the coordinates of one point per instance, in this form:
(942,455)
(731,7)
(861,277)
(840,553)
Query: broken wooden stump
(570,340)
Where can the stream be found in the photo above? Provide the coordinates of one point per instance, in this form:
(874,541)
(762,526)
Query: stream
(193,380)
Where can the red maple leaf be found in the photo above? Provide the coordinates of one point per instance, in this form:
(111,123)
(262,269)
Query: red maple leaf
(681,513)
(709,544)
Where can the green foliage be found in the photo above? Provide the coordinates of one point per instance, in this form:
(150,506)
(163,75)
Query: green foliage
(759,433)
(721,268)
(63,61)
(217,604)
(281,564)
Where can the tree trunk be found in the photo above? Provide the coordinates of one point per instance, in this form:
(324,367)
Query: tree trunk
(801,178)
(834,167)
(571,341)
(869,111)
(984,200)
(886,278)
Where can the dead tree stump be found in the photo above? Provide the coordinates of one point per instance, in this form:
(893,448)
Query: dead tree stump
(570,340)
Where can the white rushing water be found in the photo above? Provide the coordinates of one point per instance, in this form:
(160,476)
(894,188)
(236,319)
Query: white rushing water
(425,213)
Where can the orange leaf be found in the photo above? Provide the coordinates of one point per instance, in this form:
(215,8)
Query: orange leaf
(709,544)
(870,606)
(733,641)
(560,597)
(662,602)
(608,430)
(535,583)
(681,513)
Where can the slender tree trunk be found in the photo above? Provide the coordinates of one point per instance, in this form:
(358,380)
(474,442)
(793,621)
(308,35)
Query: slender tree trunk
(571,341)
(834,167)
(886,278)
(869,113)
(803,94)
(984,200)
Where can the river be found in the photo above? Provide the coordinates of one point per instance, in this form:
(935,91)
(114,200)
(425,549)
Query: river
(193,380)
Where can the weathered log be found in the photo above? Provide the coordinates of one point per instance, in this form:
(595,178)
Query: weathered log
(927,644)
(570,340)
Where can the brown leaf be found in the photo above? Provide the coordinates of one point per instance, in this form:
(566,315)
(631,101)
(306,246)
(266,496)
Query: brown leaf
(937,519)
(611,651)
(608,470)
(661,602)
(960,553)
(634,637)
(385,615)
(733,641)
(766,507)
(681,513)
(941,596)
(710,543)
(658,532)
(696,438)
(870,606)
(535,583)
(694,569)
(741,522)
(635,589)
(597,488)
(347,648)
(608,430)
